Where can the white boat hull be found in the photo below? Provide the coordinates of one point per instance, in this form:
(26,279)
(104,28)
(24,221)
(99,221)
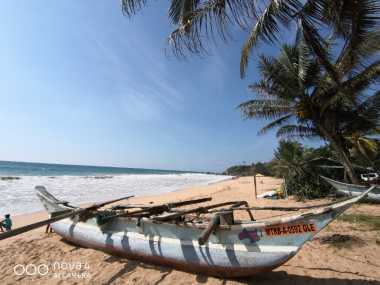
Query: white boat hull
(351,190)
(233,251)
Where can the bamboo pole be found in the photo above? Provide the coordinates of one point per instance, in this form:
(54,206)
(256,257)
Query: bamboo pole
(109,202)
(159,209)
(283,208)
(199,209)
(28,228)
(131,206)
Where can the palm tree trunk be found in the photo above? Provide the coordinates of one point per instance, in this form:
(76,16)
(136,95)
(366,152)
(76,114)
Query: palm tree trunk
(369,161)
(340,153)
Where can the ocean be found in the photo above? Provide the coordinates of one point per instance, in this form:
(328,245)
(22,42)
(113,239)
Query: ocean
(87,184)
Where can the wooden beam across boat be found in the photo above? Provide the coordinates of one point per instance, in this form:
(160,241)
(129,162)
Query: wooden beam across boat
(245,203)
(132,206)
(159,208)
(282,208)
(196,210)
(95,206)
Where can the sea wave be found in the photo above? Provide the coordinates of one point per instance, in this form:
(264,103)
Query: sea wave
(18,195)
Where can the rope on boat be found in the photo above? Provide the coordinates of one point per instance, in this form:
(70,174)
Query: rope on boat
(217,222)
(169,206)
(192,218)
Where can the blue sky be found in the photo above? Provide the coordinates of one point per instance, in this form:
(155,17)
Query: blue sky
(82,84)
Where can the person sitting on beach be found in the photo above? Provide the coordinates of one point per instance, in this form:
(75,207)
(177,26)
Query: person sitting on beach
(6,223)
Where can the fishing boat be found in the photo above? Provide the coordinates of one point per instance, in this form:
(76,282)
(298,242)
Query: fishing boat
(355,190)
(166,236)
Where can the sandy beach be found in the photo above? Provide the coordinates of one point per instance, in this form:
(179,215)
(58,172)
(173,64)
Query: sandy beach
(355,261)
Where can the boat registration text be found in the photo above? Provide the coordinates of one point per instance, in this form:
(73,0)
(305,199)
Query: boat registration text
(298,229)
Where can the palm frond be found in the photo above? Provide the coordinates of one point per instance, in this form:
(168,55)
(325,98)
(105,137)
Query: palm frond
(179,9)
(264,89)
(276,75)
(310,137)
(130,7)
(297,130)
(275,124)
(275,18)
(263,102)
(198,20)
(362,81)
(319,47)
(361,17)
(265,112)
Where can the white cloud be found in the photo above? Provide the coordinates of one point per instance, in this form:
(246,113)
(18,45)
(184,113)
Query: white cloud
(142,105)
(138,72)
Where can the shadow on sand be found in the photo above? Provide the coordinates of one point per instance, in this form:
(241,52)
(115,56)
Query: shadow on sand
(269,278)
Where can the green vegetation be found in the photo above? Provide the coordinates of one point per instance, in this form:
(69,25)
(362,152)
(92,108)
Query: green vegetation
(292,162)
(297,94)
(239,170)
(302,178)
(247,170)
(373,223)
(322,86)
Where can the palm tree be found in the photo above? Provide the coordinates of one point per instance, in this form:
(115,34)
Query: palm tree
(303,100)
(354,22)
(287,154)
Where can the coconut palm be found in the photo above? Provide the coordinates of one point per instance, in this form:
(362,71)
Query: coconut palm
(302,100)
(287,154)
(347,73)
(266,20)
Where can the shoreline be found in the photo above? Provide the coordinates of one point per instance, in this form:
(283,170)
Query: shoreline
(176,195)
(209,184)
(19,197)
(101,201)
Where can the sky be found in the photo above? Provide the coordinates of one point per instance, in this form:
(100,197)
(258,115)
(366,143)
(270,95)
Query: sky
(82,84)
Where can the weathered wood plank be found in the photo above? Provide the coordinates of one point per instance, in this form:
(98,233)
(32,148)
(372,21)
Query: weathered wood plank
(159,208)
(196,210)
(215,221)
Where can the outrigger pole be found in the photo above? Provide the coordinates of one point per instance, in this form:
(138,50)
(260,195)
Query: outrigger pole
(65,215)
(27,228)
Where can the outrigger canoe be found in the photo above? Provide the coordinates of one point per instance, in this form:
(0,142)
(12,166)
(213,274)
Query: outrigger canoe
(234,249)
(352,190)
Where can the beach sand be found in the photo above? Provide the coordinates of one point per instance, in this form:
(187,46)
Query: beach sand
(355,261)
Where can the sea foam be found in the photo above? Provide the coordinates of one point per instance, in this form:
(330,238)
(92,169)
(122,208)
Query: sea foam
(18,196)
